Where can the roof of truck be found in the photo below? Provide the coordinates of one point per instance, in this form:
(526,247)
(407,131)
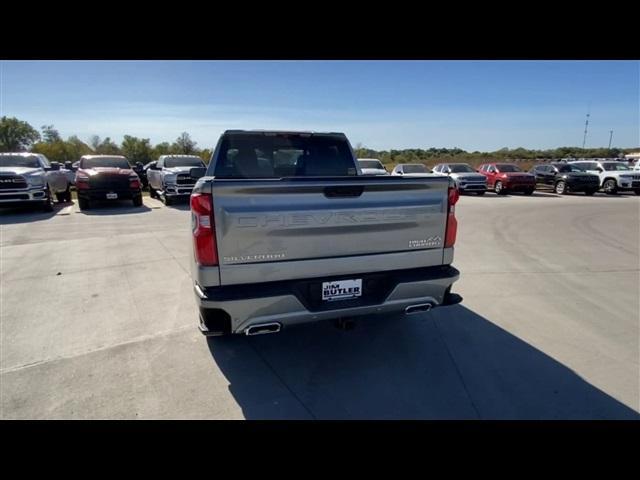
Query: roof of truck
(283,132)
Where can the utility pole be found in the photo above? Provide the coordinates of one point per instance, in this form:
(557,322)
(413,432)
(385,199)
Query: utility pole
(610,137)
(586,125)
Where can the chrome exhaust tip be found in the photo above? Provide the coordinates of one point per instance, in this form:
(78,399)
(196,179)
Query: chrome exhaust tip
(262,328)
(420,308)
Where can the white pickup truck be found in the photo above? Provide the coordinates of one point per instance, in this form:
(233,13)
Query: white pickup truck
(287,230)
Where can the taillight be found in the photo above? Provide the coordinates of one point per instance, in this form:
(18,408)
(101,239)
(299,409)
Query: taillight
(203,228)
(134,183)
(452,223)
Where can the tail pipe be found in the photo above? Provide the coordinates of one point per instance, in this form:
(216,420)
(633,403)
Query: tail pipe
(262,328)
(419,308)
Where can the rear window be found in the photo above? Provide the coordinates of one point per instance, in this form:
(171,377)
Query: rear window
(106,162)
(614,166)
(283,155)
(30,161)
(183,162)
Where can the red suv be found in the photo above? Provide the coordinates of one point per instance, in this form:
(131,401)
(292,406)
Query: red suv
(507,177)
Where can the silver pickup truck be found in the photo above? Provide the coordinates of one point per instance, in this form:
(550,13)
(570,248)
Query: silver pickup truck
(287,230)
(168,178)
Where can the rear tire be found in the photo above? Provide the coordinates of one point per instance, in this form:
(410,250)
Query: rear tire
(560,187)
(590,192)
(529,191)
(83,203)
(137,201)
(637,191)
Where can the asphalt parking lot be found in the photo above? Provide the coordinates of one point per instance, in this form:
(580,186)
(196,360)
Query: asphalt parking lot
(98,321)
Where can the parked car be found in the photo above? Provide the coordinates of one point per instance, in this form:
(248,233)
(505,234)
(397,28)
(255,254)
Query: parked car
(29,178)
(70,172)
(410,169)
(169,178)
(269,254)
(106,177)
(503,178)
(464,176)
(614,176)
(636,166)
(372,166)
(563,178)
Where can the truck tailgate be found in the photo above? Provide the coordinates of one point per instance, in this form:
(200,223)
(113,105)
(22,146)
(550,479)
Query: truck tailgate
(269,230)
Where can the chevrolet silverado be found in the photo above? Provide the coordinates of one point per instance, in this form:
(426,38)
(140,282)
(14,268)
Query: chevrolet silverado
(287,230)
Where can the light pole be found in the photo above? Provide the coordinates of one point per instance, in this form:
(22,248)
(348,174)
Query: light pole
(610,137)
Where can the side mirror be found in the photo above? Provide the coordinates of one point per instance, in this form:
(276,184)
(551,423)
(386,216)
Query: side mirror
(55,166)
(198,172)
(599,170)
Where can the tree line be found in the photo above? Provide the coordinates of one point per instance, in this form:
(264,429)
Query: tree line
(18,135)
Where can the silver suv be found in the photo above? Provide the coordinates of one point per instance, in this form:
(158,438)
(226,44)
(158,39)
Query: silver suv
(464,176)
(170,177)
(614,176)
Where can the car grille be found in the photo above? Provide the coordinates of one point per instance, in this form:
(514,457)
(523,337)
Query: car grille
(185,179)
(12,181)
(109,181)
(14,196)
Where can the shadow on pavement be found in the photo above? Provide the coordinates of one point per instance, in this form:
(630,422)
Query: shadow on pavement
(27,214)
(113,208)
(450,363)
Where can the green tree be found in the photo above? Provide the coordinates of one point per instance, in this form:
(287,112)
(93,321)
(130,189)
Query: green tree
(136,149)
(205,155)
(50,134)
(16,134)
(163,148)
(107,147)
(184,144)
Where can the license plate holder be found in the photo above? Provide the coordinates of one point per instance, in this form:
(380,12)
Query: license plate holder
(341,290)
(112,196)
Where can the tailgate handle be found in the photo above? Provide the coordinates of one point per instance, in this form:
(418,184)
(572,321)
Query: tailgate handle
(341,192)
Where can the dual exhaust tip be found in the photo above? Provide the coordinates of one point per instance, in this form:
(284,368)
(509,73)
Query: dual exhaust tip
(275,327)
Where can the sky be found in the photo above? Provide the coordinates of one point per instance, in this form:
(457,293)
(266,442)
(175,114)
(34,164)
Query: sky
(473,105)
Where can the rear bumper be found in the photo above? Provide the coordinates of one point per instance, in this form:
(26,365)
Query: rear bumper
(297,301)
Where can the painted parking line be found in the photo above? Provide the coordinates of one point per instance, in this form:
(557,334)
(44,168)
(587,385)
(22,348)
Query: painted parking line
(152,202)
(68,210)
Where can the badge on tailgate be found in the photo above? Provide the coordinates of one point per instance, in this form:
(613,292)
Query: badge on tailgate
(341,289)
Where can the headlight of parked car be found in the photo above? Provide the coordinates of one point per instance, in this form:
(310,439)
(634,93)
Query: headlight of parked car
(35,180)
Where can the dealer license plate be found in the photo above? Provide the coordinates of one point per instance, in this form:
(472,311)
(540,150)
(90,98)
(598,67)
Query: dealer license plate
(112,196)
(341,289)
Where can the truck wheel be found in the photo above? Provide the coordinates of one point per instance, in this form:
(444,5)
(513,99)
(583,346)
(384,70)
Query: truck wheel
(529,191)
(48,203)
(152,192)
(167,200)
(480,193)
(610,187)
(137,201)
(590,192)
(83,203)
(499,189)
(561,187)
(637,191)
(68,195)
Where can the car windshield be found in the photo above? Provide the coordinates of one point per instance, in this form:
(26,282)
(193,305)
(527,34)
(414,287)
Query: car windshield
(507,167)
(19,161)
(461,168)
(414,168)
(277,155)
(370,164)
(183,162)
(563,168)
(106,162)
(614,166)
